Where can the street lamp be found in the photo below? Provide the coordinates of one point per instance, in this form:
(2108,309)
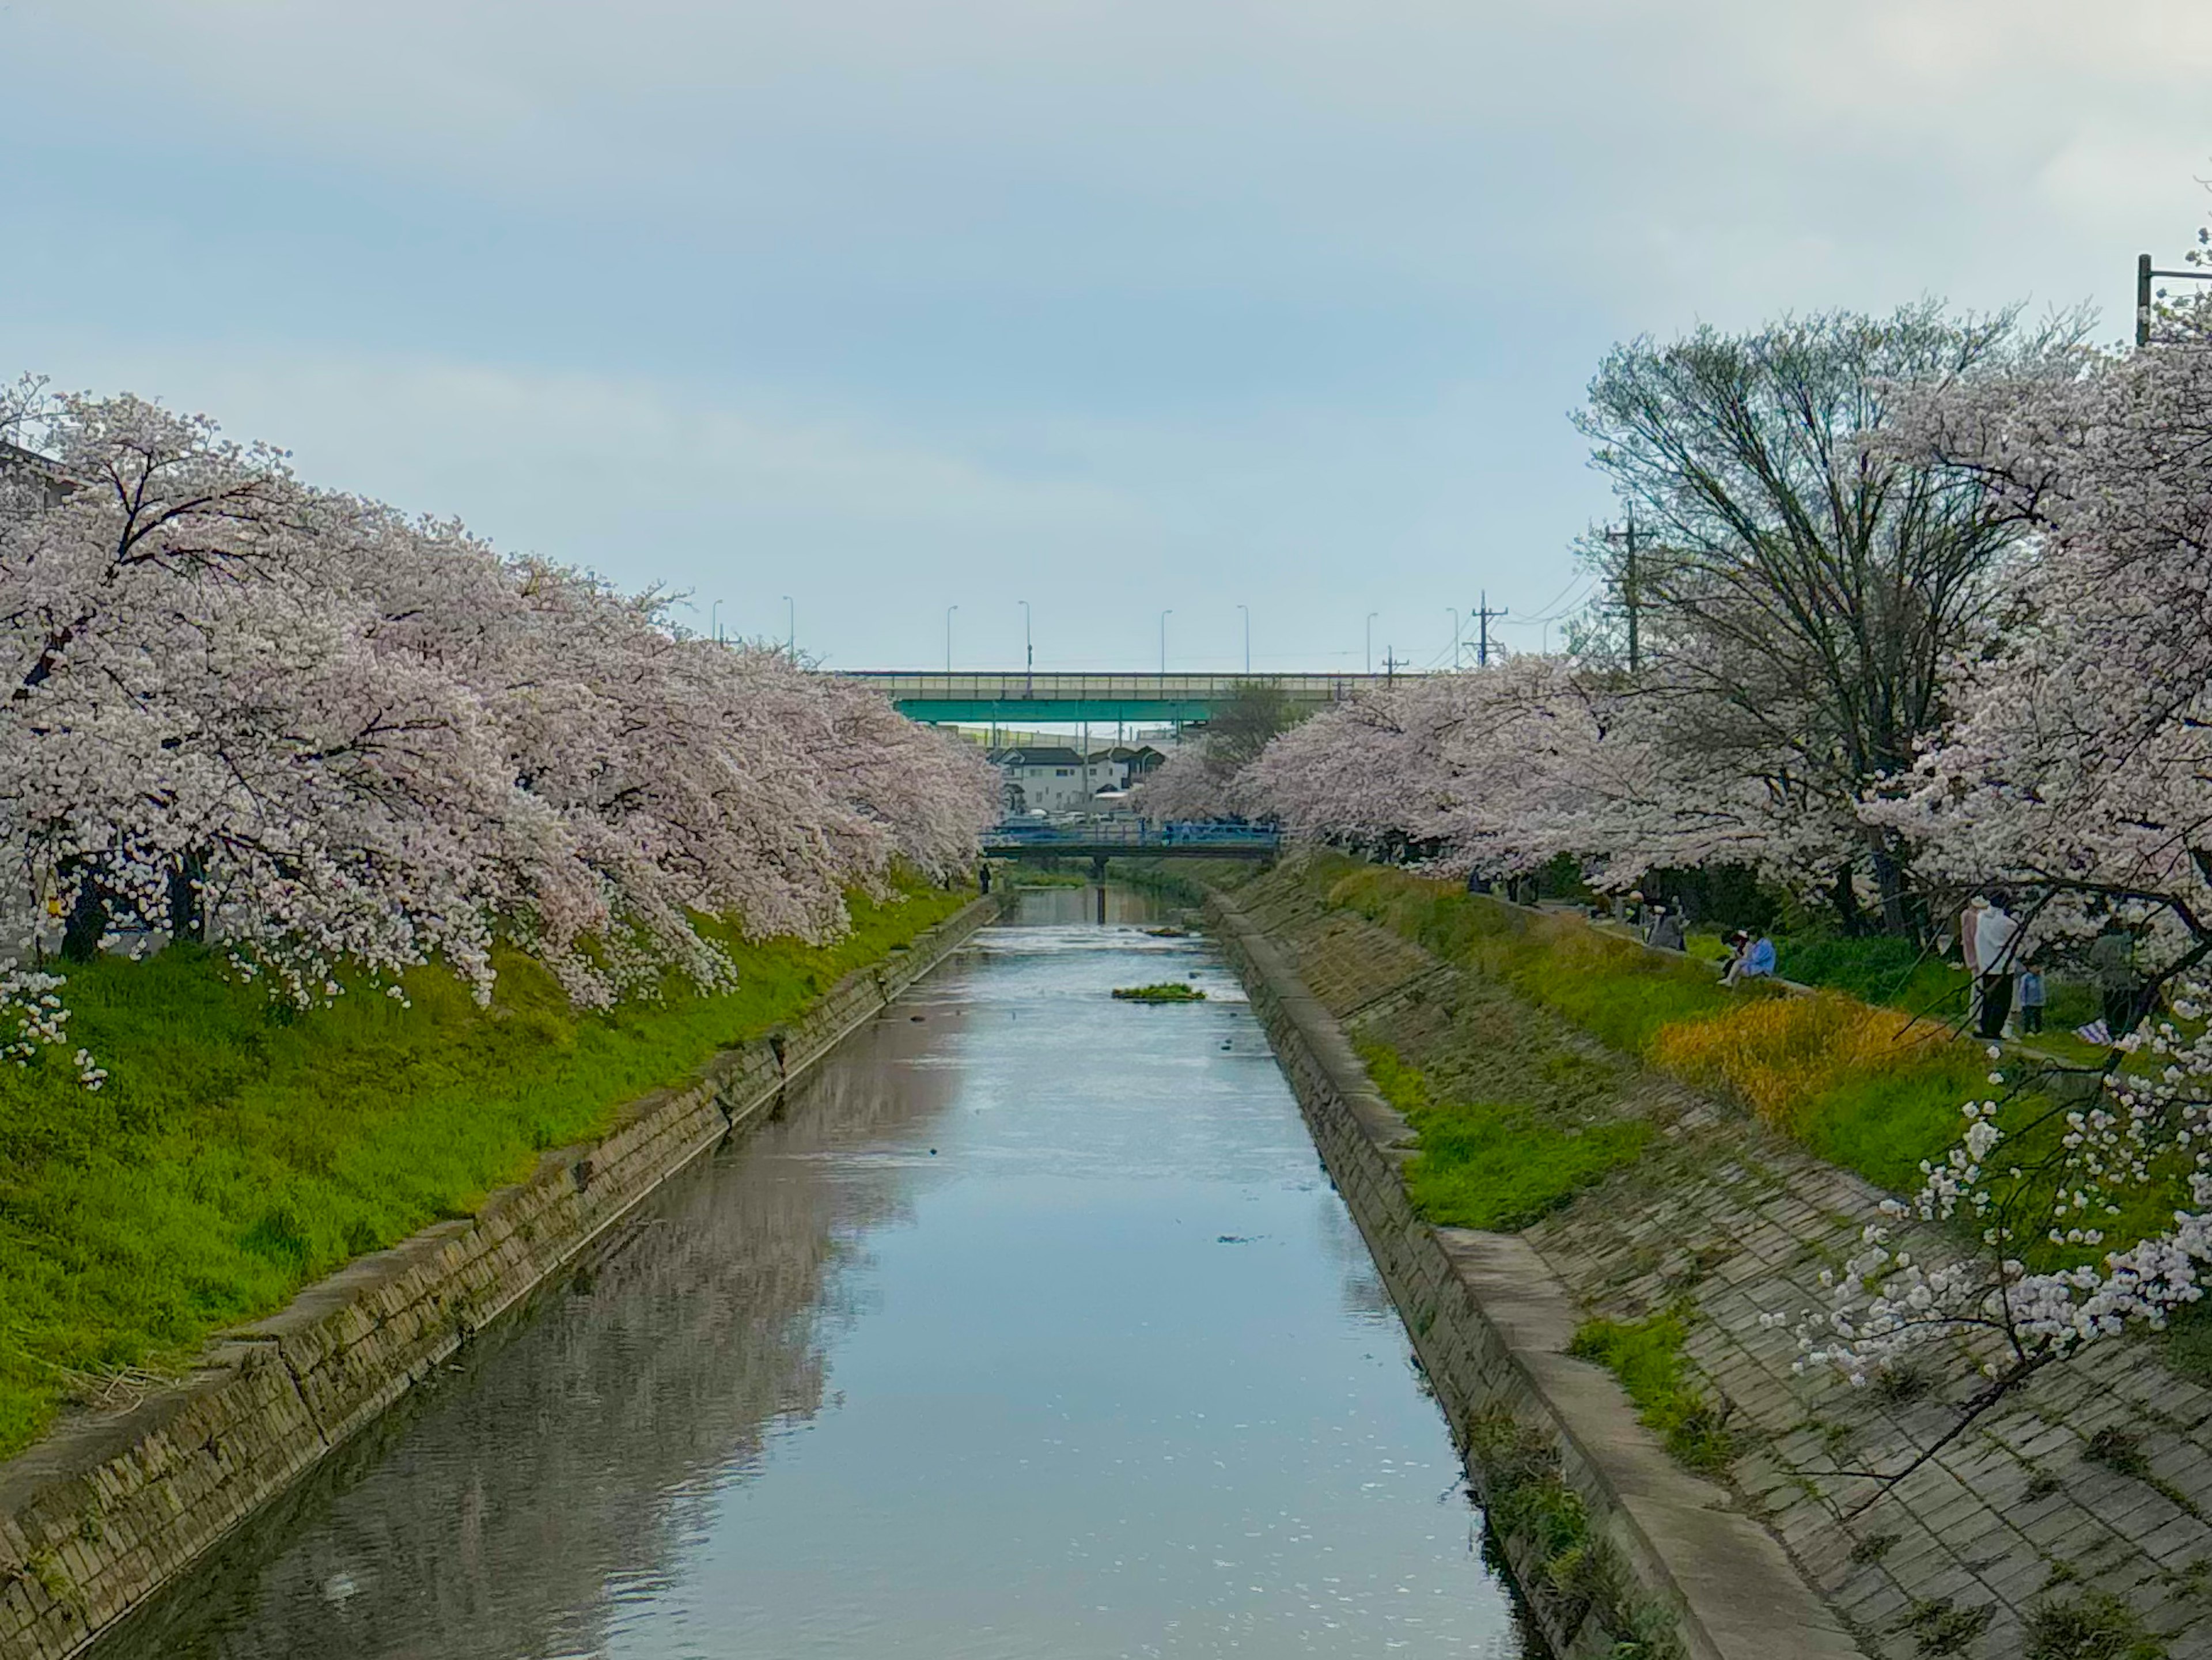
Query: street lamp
(2144,274)
(714,622)
(949,610)
(1247,609)
(1028,652)
(1164,638)
(790,628)
(1371,615)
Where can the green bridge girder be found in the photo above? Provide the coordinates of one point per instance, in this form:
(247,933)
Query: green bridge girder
(1011,699)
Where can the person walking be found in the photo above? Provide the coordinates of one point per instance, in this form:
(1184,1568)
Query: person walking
(1997,944)
(2030,994)
(1969,923)
(2112,964)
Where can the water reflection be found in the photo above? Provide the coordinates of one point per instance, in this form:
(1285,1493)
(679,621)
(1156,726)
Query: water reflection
(1031,1328)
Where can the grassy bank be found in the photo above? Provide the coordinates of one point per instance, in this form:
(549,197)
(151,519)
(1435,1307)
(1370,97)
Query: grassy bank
(235,1155)
(1500,1162)
(1872,1089)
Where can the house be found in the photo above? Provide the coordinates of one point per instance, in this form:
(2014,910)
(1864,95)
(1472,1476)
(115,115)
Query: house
(1049,780)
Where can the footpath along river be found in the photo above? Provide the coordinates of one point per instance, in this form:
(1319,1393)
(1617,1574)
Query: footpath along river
(1032,1329)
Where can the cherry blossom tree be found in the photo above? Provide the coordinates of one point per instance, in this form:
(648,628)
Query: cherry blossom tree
(2076,768)
(327,737)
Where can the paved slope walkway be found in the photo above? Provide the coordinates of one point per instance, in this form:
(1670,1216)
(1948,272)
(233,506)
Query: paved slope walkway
(2095,1481)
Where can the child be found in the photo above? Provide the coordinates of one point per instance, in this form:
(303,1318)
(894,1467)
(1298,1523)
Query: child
(2030,1000)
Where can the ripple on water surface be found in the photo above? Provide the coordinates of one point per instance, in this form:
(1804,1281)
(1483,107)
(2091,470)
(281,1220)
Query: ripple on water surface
(1032,1328)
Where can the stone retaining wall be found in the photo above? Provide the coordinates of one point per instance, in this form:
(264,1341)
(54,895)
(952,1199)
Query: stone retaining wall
(103,1513)
(1491,1323)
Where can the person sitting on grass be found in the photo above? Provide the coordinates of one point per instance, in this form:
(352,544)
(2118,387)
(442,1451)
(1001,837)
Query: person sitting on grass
(1753,958)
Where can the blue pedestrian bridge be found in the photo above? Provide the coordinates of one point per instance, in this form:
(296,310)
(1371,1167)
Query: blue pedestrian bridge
(1130,838)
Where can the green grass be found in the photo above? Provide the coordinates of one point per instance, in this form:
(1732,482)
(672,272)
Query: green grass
(1646,1355)
(1491,1164)
(1879,1122)
(236,1154)
(1168,991)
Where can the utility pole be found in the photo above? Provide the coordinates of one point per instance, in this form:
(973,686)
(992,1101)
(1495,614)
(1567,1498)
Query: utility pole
(1484,613)
(2144,272)
(1390,663)
(1631,598)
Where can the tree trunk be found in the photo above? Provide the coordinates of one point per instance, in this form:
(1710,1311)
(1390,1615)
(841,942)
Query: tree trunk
(87,922)
(1896,901)
(188,912)
(1845,896)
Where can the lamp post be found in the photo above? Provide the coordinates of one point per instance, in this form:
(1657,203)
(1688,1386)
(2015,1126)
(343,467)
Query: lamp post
(949,610)
(1247,609)
(1371,615)
(1028,654)
(1454,610)
(1164,638)
(2144,272)
(714,621)
(790,628)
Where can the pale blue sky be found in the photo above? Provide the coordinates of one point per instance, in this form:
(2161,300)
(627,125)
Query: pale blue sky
(1111,305)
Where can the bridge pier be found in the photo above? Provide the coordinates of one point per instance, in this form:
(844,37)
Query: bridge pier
(1098,867)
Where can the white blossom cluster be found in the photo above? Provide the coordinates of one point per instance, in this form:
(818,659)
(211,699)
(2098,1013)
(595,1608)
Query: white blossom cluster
(2055,1193)
(331,738)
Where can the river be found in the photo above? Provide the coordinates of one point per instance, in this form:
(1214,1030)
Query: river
(1030,1327)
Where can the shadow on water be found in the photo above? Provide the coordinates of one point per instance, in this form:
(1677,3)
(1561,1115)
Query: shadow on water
(1029,1326)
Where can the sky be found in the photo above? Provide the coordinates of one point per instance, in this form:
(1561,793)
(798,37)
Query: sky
(839,314)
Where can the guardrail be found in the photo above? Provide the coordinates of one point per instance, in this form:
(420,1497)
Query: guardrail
(1030,835)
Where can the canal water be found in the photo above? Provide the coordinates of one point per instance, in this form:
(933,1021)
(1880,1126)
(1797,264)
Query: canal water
(1032,1327)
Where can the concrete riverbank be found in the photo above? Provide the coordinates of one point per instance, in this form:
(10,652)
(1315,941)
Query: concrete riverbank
(2073,1519)
(1669,1565)
(99,1516)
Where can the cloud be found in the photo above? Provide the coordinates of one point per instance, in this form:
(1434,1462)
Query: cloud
(1277,302)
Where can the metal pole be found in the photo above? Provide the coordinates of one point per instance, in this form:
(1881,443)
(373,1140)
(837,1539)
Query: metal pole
(949,610)
(1028,654)
(1164,615)
(1482,651)
(1247,609)
(1371,615)
(1631,598)
(714,621)
(2142,300)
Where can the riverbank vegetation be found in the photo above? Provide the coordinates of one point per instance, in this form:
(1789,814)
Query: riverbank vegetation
(348,861)
(240,1149)
(1168,991)
(1905,612)
(1502,1164)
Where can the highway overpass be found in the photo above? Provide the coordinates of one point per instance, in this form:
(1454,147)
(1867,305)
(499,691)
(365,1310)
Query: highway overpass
(1016,698)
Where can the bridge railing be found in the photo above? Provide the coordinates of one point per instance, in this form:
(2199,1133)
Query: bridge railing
(1130,833)
(1017,685)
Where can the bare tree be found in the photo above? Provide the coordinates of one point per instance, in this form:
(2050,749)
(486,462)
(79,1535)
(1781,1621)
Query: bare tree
(1798,587)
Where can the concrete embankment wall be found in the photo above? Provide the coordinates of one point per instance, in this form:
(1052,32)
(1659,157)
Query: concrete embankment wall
(104,1512)
(1490,1322)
